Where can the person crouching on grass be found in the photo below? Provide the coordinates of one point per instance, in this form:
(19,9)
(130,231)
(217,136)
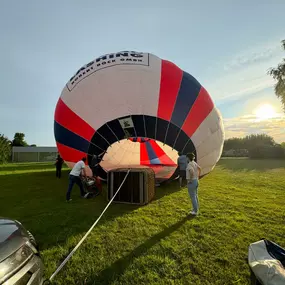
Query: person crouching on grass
(74,177)
(193,172)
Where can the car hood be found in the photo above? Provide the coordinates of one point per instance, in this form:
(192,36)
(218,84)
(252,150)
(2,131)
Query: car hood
(12,237)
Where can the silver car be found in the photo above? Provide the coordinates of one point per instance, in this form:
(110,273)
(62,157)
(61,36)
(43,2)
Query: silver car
(20,261)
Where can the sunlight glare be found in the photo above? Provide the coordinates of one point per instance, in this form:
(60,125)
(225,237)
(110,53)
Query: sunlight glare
(265,112)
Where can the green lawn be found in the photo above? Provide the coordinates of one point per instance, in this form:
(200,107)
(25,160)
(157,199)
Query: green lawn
(241,202)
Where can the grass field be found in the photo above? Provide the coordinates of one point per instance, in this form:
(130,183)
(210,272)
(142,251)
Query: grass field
(241,202)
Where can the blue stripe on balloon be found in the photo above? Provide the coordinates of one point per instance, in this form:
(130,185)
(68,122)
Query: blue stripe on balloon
(70,139)
(151,154)
(188,92)
(155,161)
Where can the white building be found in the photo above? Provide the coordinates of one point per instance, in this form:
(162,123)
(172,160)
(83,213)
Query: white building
(33,153)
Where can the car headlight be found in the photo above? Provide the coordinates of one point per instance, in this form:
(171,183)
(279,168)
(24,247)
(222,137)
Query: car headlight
(15,261)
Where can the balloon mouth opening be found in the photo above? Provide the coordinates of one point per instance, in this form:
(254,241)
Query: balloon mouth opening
(140,140)
(141,152)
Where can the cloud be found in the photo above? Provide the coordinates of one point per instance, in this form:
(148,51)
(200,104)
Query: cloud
(245,73)
(248,57)
(241,84)
(249,124)
(256,86)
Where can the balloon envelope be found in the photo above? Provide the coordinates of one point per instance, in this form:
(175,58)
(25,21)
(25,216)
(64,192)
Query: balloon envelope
(142,110)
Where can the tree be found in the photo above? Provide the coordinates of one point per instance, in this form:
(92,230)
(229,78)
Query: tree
(19,140)
(234,143)
(278,74)
(267,151)
(283,145)
(5,149)
(254,146)
(248,142)
(253,141)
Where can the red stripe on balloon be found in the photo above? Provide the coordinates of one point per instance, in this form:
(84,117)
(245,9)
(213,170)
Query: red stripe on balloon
(200,110)
(171,76)
(70,154)
(144,159)
(68,119)
(161,155)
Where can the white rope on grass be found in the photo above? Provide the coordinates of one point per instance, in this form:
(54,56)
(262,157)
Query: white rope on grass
(89,231)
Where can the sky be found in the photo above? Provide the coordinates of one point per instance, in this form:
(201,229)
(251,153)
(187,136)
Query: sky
(228,46)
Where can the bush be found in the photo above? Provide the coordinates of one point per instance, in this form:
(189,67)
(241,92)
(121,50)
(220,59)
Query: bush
(235,153)
(266,151)
(5,149)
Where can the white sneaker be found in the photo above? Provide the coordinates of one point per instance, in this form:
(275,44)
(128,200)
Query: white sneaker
(193,213)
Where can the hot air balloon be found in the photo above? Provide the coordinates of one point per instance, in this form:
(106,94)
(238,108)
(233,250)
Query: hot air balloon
(142,110)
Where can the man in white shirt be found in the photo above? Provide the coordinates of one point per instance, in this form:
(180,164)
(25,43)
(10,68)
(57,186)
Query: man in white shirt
(193,172)
(74,177)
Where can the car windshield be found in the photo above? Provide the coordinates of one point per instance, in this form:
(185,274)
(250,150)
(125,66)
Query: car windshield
(7,231)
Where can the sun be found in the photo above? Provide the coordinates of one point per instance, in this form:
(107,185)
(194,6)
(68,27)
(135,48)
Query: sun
(265,112)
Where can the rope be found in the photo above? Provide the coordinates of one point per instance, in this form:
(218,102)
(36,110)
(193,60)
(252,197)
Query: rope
(89,231)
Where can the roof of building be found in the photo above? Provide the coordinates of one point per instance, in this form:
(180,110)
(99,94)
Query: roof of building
(34,149)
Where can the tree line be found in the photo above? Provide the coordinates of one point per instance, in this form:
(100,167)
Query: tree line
(254,146)
(6,146)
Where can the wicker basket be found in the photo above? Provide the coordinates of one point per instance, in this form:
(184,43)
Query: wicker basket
(138,188)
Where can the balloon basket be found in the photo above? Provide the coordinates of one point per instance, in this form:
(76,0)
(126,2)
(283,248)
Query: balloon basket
(139,187)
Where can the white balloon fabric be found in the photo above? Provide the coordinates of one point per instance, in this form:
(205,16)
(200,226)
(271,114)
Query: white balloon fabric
(141,109)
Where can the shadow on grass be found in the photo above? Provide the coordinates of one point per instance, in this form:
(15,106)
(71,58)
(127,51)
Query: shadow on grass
(38,201)
(251,164)
(117,268)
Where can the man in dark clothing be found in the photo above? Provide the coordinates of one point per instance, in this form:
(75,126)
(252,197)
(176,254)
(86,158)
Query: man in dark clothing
(182,164)
(95,168)
(58,165)
(96,159)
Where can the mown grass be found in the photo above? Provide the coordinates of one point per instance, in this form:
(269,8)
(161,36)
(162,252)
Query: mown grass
(241,202)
